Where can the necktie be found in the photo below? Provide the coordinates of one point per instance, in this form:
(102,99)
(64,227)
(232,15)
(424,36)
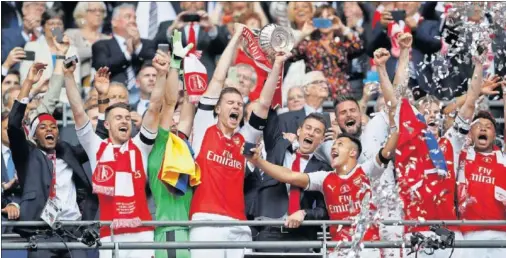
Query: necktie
(52,190)
(294,198)
(153,21)
(130,73)
(33,37)
(10,166)
(192,38)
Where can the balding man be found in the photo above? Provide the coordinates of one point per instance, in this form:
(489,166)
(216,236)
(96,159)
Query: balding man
(125,52)
(316,91)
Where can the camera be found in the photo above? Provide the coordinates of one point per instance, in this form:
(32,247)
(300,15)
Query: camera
(68,62)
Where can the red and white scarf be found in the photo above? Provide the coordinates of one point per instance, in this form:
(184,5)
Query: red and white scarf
(120,168)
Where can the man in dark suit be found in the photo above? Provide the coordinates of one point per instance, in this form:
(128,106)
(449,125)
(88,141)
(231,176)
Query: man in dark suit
(210,40)
(49,172)
(316,91)
(11,189)
(276,200)
(125,53)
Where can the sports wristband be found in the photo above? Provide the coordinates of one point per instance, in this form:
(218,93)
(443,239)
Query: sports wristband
(103,101)
(60,57)
(382,159)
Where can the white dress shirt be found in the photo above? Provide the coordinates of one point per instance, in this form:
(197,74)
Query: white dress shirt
(165,12)
(66,193)
(308,109)
(142,106)
(288,163)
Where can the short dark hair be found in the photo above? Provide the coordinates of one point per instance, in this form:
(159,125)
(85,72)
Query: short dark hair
(224,91)
(52,13)
(354,139)
(485,115)
(15,72)
(343,98)
(116,105)
(316,116)
(90,107)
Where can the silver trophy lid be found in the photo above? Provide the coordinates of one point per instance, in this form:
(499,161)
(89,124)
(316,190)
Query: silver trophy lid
(274,38)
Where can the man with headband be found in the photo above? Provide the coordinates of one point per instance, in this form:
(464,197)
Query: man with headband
(57,184)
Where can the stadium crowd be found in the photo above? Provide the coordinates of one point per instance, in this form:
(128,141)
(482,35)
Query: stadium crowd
(166,111)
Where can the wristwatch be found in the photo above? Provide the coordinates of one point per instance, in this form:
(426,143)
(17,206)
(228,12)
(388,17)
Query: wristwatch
(60,57)
(103,101)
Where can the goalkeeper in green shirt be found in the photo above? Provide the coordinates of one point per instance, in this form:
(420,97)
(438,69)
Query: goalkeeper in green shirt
(170,207)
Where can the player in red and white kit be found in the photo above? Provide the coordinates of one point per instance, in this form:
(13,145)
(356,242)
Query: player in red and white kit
(427,188)
(218,148)
(346,189)
(482,187)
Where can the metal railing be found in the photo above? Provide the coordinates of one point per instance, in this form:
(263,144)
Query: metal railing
(322,244)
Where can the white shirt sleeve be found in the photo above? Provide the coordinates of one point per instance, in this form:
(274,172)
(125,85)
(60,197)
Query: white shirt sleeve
(316,180)
(374,136)
(249,133)
(90,142)
(372,168)
(204,119)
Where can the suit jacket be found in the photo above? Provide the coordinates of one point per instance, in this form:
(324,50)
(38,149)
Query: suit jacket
(35,173)
(13,193)
(272,196)
(15,39)
(289,122)
(9,16)
(108,53)
(211,48)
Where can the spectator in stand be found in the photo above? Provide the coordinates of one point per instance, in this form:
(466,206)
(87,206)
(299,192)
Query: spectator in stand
(9,96)
(385,32)
(209,40)
(243,77)
(125,53)
(11,80)
(251,20)
(15,56)
(146,80)
(89,17)
(329,50)
(30,30)
(316,91)
(151,14)
(298,14)
(295,99)
(11,15)
(45,48)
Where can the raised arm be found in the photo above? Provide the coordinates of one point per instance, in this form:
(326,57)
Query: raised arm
(388,151)
(171,87)
(265,99)
(466,112)
(52,96)
(152,116)
(279,173)
(402,72)
(381,57)
(220,73)
(74,97)
(504,117)
(187,115)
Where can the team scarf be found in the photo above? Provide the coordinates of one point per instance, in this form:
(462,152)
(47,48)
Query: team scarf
(109,163)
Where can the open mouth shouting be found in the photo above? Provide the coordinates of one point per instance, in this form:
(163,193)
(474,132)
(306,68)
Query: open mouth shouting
(50,138)
(307,142)
(482,139)
(350,123)
(234,117)
(123,129)
(334,154)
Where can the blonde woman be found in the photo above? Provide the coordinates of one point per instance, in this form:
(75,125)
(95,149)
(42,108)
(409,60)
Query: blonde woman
(89,17)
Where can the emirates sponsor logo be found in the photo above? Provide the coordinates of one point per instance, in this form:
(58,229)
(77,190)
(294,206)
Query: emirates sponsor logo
(344,208)
(226,159)
(103,173)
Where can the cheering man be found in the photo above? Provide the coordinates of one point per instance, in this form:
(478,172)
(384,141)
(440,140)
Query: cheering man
(347,184)
(119,164)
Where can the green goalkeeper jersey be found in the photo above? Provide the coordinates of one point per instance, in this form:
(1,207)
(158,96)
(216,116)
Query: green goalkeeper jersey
(169,207)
